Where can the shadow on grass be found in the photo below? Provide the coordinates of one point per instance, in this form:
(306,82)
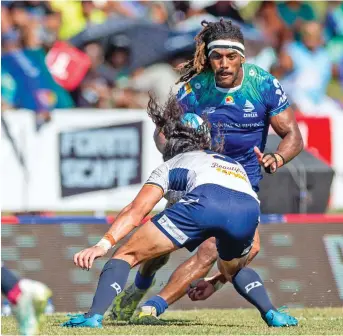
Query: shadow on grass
(176,322)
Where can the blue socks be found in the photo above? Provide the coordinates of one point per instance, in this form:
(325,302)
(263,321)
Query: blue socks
(143,282)
(249,285)
(158,302)
(8,280)
(111,282)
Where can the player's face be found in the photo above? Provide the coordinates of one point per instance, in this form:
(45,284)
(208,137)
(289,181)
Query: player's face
(226,65)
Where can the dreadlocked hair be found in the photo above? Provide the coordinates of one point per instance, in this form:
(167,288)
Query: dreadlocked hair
(211,31)
(180,138)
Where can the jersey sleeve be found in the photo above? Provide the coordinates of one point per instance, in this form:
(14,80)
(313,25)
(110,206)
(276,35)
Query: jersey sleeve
(160,178)
(187,98)
(277,100)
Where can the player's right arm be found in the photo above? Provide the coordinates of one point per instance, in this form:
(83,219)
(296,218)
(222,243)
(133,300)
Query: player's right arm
(133,214)
(130,217)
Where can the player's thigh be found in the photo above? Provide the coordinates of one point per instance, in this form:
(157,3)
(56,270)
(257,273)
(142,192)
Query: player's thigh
(146,243)
(207,252)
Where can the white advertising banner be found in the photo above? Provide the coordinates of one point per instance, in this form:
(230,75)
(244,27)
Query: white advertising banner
(81,160)
(92,160)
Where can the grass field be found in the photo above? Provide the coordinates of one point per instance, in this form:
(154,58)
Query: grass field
(328,321)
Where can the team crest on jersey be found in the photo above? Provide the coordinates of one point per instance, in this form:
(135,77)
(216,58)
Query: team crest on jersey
(229,100)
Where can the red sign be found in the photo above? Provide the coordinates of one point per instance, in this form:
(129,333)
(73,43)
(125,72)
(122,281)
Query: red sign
(316,132)
(67,64)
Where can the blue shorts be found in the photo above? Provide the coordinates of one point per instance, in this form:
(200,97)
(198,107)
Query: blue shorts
(208,211)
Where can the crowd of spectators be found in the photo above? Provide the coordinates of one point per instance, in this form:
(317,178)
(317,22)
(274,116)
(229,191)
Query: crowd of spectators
(303,47)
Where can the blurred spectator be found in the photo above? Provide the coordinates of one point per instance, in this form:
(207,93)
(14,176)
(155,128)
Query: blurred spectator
(113,80)
(160,12)
(273,27)
(305,71)
(26,81)
(38,23)
(294,13)
(334,20)
(76,15)
(225,9)
(150,79)
(95,89)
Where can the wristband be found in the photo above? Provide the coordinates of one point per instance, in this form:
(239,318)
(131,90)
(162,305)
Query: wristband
(104,243)
(281,159)
(107,242)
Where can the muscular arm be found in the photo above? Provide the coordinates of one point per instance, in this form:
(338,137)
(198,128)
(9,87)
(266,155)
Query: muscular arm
(286,126)
(132,215)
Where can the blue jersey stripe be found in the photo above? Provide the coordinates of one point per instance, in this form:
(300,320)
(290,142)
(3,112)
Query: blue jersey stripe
(178,179)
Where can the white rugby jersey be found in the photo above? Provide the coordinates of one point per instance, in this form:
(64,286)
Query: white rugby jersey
(183,173)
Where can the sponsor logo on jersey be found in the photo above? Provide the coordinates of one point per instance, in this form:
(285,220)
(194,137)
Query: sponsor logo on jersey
(189,201)
(229,100)
(249,110)
(252,72)
(209,109)
(223,126)
(172,229)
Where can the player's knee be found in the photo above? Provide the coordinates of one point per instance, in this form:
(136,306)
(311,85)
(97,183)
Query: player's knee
(207,253)
(153,265)
(133,258)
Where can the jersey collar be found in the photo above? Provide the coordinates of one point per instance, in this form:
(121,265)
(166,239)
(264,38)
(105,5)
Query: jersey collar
(236,88)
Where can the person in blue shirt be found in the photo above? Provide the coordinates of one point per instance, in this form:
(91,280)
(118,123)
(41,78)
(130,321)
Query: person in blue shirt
(305,81)
(240,101)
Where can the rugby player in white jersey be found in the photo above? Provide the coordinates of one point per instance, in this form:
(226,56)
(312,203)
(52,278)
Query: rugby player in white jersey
(212,197)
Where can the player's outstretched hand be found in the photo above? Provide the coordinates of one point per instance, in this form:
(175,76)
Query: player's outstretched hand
(266,160)
(201,290)
(85,258)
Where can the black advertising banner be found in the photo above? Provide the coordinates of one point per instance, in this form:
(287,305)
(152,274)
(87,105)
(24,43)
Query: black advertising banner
(100,158)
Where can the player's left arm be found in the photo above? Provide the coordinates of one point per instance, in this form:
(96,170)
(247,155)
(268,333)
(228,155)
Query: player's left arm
(282,119)
(286,126)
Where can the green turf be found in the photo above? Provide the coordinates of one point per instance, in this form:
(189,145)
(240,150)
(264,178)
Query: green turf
(327,321)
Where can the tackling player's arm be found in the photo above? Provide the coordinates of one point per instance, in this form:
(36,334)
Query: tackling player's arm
(133,214)
(130,217)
